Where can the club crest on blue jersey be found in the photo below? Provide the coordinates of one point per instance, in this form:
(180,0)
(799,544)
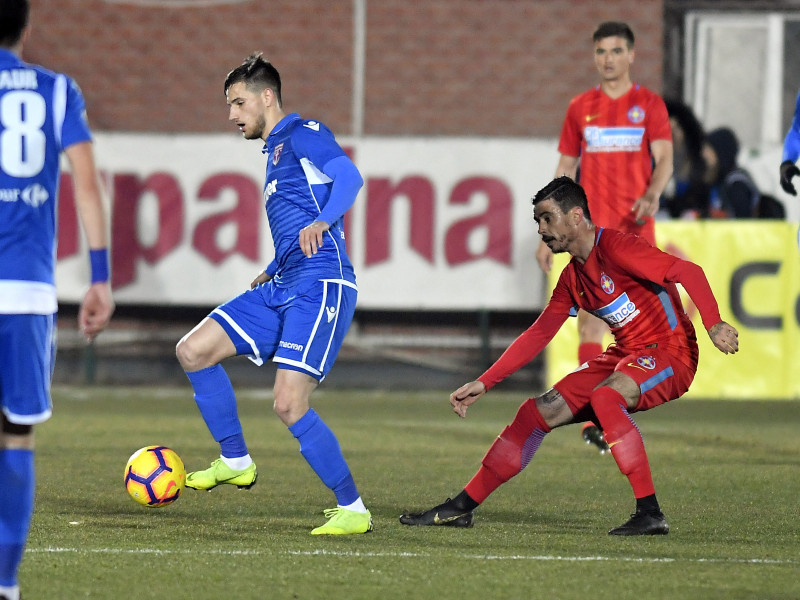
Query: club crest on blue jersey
(276,154)
(636,114)
(606,283)
(648,362)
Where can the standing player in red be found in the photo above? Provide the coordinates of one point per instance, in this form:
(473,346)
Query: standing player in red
(619,134)
(631,286)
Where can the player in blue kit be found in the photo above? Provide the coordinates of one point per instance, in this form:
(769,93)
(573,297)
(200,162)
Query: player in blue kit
(791,152)
(42,114)
(298,309)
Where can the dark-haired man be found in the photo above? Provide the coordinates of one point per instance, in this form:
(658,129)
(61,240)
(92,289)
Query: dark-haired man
(298,309)
(631,286)
(617,141)
(42,115)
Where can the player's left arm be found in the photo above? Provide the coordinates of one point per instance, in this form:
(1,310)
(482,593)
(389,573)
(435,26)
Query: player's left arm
(98,304)
(647,205)
(691,276)
(346,183)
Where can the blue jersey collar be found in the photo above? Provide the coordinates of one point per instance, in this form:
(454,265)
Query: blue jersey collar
(280,126)
(6,56)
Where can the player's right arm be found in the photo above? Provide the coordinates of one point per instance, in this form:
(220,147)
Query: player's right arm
(98,304)
(521,351)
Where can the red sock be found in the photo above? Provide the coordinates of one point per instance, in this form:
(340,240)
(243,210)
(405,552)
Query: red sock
(510,452)
(588,350)
(624,438)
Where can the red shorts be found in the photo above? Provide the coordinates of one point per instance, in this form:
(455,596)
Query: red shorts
(660,375)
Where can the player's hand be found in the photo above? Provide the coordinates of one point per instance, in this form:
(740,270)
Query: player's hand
(725,337)
(96,310)
(788,170)
(544,256)
(467,394)
(646,206)
(262,278)
(311,237)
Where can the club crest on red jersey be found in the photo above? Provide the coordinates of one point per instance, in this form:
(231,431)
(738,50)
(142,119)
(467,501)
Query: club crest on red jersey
(606,283)
(648,362)
(276,154)
(636,114)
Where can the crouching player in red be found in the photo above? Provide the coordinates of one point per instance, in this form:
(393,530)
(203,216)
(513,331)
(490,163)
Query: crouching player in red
(631,286)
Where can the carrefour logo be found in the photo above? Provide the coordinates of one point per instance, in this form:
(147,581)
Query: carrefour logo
(619,312)
(34,195)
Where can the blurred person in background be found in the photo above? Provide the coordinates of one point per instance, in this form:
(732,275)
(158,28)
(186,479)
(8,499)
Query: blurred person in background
(633,287)
(42,114)
(616,140)
(686,191)
(297,310)
(791,152)
(732,191)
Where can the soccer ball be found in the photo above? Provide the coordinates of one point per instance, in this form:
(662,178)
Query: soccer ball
(155,476)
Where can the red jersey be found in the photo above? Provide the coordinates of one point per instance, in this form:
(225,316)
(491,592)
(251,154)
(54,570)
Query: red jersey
(612,137)
(630,285)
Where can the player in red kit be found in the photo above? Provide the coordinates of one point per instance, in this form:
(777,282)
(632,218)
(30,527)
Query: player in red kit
(619,134)
(631,286)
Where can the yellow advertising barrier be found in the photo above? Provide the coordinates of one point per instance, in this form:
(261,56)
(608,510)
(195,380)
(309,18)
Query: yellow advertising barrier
(754,270)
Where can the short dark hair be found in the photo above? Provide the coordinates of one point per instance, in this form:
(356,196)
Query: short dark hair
(566,193)
(614,29)
(257,74)
(13,20)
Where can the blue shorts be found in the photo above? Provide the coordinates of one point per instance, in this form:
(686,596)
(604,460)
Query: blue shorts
(301,328)
(27,352)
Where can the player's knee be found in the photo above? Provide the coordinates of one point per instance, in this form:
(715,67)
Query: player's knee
(289,403)
(189,355)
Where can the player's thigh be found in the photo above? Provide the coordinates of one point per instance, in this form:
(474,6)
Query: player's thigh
(315,325)
(660,375)
(205,345)
(576,388)
(253,321)
(27,352)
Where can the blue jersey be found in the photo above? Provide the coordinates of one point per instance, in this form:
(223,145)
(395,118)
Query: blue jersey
(41,114)
(791,145)
(296,193)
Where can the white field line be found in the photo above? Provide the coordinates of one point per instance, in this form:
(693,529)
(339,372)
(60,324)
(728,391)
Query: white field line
(516,557)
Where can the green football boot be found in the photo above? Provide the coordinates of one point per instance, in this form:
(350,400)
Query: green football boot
(344,522)
(219,473)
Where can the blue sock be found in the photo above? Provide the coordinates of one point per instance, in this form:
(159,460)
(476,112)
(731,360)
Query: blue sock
(216,400)
(321,449)
(16,508)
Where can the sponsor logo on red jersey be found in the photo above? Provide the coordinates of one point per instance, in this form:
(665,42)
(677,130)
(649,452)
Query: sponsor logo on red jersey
(619,312)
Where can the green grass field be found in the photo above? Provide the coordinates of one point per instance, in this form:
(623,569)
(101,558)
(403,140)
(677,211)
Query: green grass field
(726,475)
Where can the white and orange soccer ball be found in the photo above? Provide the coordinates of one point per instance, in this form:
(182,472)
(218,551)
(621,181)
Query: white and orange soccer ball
(155,476)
